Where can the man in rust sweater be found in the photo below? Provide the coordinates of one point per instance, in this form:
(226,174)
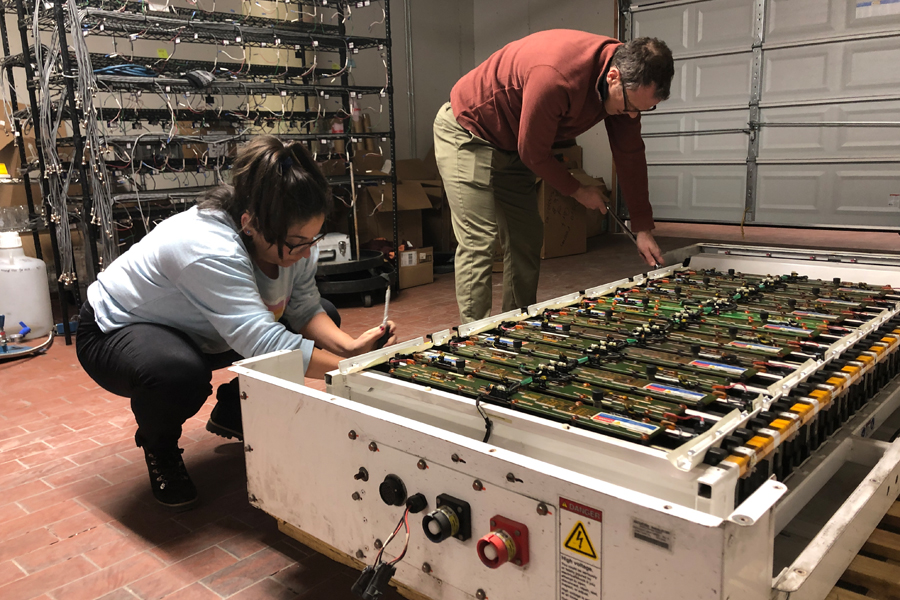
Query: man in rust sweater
(495,136)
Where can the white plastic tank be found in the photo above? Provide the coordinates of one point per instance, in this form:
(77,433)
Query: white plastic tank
(24,293)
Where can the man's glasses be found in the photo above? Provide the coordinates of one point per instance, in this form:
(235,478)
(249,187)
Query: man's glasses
(634,111)
(304,245)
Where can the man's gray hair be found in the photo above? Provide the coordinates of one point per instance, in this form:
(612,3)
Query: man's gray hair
(646,61)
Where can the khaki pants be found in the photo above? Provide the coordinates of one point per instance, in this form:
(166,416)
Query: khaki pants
(490,192)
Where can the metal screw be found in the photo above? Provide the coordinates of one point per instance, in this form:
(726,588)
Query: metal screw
(356,496)
(454,457)
(243,395)
(352,435)
(422,464)
(362,474)
(517,532)
(360,554)
(542,509)
(510,478)
(373,447)
(480,595)
(493,523)
(426,568)
(378,544)
(477,485)
(518,562)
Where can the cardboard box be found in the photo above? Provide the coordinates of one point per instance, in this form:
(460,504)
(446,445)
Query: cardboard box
(597,222)
(368,163)
(416,267)
(334,167)
(571,156)
(418,189)
(14,195)
(437,225)
(565,220)
(374,218)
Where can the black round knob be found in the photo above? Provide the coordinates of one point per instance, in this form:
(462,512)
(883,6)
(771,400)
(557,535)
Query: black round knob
(815,291)
(732,332)
(792,302)
(837,281)
(651,371)
(392,491)
(695,349)
(677,290)
(763,316)
(731,272)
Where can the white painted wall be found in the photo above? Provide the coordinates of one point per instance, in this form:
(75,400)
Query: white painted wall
(442,51)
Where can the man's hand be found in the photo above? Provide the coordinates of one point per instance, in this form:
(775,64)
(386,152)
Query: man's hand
(592,197)
(648,249)
(368,340)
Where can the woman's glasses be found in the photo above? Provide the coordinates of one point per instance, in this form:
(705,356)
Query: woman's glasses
(304,245)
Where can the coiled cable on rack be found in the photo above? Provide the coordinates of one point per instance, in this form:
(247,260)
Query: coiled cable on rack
(94,146)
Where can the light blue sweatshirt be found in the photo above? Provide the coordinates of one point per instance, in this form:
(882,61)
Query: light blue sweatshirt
(193,273)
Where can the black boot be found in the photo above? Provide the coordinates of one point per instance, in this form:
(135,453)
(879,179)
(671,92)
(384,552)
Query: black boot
(172,486)
(225,419)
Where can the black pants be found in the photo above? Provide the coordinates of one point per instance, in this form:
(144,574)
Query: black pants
(163,372)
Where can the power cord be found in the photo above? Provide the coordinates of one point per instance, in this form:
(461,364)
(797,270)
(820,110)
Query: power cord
(375,577)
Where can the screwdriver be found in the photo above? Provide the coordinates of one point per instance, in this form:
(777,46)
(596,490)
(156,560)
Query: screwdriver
(624,227)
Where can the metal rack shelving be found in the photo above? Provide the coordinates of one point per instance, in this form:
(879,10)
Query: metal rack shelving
(73,84)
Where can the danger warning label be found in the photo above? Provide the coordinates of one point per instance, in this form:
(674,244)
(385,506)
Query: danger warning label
(578,541)
(579,554)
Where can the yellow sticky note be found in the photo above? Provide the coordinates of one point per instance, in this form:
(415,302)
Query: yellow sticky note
(161,52)
(3,170)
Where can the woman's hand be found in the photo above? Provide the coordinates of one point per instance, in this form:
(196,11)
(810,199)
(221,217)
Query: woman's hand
(369,340)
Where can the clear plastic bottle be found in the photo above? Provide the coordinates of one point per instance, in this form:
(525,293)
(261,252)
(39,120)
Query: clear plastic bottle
(24,294)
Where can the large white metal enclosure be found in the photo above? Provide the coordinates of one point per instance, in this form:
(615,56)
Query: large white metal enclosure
(603,518)
(783,112)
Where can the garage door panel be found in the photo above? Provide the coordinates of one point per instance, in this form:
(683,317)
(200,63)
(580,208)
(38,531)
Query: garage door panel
(663,142)
(666,192)
(668,148)
(871,68)
(722,25)
(830,142)
(806,20)
(796,19)
(718,81)
(829,195)
(826,107)
(854,69)
(783,190)
(670,24)
(787,142)
(873,141)
(798,72)
(873,15)
(867,193)
(698,192)
(714,25)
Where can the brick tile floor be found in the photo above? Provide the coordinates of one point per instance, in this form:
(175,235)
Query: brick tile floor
(77,521)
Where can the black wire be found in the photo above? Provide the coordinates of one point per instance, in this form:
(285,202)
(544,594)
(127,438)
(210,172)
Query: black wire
(488,424)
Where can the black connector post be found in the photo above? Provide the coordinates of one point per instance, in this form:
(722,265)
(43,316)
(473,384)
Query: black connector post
(379,582)
(365,578)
